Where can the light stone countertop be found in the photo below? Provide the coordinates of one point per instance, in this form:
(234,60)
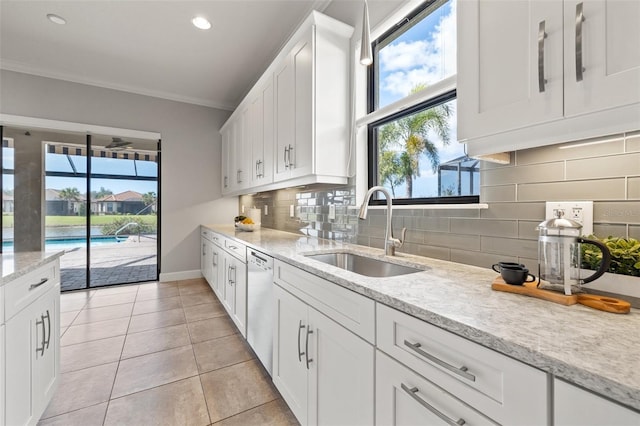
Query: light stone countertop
(597,350)
(15,265)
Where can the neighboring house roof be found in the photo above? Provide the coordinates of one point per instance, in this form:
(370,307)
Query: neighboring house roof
(123,196)
(54,195)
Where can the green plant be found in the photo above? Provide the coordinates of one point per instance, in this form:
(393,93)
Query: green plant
(625,255)
(141,226)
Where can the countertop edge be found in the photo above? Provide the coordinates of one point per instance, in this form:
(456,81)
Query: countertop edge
(30,261)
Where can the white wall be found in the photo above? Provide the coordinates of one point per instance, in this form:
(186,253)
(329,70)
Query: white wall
(190,151)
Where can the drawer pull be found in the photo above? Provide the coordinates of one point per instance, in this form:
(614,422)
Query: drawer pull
(462,371)
(48,339)
(413,393)
(233,247)
(42,281)
(44,331)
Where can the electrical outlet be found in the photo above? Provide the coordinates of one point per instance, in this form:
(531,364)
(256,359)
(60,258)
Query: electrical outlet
(266,210)
(292,210)
(580,211)
(332,211)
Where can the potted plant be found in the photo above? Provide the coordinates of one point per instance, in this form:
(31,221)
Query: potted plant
(623,276)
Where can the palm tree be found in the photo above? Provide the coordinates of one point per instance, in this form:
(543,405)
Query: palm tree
(69,194)
(149,198)
(410,135)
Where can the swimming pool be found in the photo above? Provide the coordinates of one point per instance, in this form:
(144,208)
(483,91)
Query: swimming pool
(69,243)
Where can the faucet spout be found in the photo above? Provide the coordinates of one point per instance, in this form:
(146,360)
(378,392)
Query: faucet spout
(390,243)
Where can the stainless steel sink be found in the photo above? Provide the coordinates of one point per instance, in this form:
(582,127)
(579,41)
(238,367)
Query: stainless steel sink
(368,266)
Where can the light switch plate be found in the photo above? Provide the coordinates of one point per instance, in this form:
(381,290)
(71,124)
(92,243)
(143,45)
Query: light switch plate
(332,211)
(580,211)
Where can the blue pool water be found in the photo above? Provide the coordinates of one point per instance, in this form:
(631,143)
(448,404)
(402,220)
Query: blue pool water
(69,243)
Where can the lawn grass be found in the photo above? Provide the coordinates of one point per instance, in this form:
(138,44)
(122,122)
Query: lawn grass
(7,220)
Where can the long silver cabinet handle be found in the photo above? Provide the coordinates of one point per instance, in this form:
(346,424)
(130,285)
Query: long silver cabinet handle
(462,371)
(286,157)
(300,353)
(541,36)
(42,281)
(579,20)
(49,329)
(41,323)
(306,347)
(413,393)
(215,259)
(290,149)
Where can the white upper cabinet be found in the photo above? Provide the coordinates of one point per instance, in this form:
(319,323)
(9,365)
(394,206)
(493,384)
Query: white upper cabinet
(517,80)
(609,51)
(297,130)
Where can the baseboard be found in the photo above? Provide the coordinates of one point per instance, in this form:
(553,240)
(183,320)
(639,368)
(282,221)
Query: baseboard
(182,275)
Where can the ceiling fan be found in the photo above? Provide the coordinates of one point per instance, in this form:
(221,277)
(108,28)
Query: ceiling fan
(117,144)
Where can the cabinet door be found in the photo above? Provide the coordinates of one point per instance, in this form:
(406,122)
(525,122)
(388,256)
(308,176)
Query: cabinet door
(285,125)
(341,374)
(257,138)
(301,152)
(216,268)
(239,280)
(2,368)
(498,64)
(574,406)
(609,53)
(227,284)
(225,160)
(406,398)
(289,362)
(32,359)
(204,264)
(241,151)
(46,366)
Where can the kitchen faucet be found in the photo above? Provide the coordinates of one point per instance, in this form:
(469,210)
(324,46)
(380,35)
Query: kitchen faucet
(390,243)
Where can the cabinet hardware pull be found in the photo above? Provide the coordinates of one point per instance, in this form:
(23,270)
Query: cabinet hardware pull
(413,393)
(42,281)
(256,168)
(286,160)
(203,249)
(579,20)
(462,371)
(290,149)
(49,327)
(541,36)
(300,353)
(239,176)
(306,347)
(215,259)
(233,247)
(226,180)
(41,323)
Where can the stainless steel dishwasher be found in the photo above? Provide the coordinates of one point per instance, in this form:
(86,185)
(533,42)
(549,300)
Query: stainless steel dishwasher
(260,306)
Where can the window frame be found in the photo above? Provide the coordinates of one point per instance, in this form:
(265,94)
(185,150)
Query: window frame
(437,99)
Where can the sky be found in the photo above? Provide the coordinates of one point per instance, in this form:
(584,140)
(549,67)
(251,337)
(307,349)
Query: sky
(424,54)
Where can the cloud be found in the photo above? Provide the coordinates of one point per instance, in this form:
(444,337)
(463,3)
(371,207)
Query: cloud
(404,64)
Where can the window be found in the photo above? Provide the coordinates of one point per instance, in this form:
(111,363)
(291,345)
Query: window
(414,153)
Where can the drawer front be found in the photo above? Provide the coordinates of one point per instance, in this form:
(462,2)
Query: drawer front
(405,398)
(502,388)
(349,309)
(22,291)
(212,236)
(236,249)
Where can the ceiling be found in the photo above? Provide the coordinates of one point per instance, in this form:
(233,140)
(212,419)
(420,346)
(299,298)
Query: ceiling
(151,47)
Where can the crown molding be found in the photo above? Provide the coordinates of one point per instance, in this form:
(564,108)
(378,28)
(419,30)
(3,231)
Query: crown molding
(28,69)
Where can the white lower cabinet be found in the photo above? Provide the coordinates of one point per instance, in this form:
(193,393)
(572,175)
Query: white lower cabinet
(324,372)
(234,280)
(2,368)
(406,398)
(31,340)
(575,406)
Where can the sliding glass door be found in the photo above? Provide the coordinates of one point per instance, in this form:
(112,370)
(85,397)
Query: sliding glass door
(93,196)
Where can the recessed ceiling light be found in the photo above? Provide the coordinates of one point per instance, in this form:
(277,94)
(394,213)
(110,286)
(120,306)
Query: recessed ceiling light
(201,22)
(56,19)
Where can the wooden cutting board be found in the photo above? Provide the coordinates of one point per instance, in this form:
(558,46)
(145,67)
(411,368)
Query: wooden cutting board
(603,303)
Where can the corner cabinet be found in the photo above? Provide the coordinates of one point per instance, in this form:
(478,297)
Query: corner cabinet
(31,344)
(534,73)
(294,123)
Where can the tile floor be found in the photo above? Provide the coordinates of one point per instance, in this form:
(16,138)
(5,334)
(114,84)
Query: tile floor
(158,354)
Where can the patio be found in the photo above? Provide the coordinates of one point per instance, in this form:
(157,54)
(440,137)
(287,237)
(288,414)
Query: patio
(118,263)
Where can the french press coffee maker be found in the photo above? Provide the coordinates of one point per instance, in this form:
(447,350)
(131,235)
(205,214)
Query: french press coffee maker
(559,255)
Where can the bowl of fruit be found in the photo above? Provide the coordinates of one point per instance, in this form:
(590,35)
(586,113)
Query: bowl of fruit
(244,223)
